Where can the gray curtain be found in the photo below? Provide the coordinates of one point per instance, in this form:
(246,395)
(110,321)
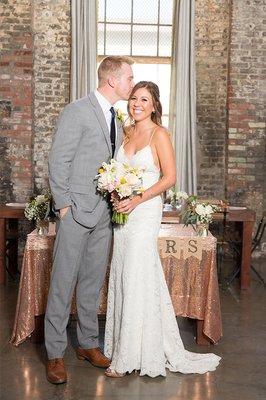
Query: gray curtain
(182,113)
(84,47)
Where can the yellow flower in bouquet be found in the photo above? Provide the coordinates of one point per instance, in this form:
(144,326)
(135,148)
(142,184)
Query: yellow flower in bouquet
(121,179)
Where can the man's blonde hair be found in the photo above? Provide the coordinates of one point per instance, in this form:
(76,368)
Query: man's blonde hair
(111,65)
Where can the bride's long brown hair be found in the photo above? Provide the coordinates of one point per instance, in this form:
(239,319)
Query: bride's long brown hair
(156,115)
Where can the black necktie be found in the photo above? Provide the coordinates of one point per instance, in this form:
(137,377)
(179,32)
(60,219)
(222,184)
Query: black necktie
(112,130)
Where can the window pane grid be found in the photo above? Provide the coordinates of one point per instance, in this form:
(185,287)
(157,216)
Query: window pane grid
(147,32)
(127,23)
(143,30)
(104,45)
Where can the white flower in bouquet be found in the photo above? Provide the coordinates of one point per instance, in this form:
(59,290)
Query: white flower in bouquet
(132,179)
(108,176)
(122,179)
(106,182)
(124,190)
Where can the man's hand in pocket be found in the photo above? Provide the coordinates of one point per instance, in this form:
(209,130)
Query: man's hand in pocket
(63,212)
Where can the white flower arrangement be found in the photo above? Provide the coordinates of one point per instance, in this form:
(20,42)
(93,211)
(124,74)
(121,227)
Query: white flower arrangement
(38,208)
(122,179)
(176,197)
(198,213)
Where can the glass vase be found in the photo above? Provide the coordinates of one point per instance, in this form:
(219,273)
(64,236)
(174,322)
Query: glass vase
(42,227)
(202,229)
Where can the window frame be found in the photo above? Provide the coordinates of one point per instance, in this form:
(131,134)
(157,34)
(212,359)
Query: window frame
(138,59)
(105,23)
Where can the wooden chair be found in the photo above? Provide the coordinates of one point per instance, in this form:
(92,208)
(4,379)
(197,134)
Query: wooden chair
(256,241)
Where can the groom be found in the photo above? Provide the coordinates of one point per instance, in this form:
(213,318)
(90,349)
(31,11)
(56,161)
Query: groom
(82,143)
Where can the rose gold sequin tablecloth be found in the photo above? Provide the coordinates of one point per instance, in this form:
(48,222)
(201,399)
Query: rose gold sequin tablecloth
(192,281)
(34,284)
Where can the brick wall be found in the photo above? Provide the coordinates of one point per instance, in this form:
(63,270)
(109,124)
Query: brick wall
(211,39)
(35,87)
(16,74)
(246,101)
(51,21)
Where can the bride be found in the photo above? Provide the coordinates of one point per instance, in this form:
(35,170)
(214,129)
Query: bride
(141,330)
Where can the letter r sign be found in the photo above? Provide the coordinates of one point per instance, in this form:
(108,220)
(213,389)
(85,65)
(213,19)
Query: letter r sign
(170,246)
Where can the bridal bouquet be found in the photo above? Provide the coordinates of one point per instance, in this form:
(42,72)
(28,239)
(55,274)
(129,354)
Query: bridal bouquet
(122,179)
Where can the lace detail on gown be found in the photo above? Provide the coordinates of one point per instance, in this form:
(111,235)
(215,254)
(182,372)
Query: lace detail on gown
(141,331)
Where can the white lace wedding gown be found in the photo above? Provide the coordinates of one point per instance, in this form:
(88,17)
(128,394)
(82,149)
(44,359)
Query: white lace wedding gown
(141,330)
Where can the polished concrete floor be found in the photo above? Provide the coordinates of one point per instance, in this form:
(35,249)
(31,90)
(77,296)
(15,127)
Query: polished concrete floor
(241,375)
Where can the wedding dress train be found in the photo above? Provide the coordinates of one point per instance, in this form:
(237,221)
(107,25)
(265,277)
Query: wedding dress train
(141,331)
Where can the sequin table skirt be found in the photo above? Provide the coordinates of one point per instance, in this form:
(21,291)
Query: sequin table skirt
(189,264)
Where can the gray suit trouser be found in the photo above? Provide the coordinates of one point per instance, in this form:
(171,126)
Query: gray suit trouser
(80,259)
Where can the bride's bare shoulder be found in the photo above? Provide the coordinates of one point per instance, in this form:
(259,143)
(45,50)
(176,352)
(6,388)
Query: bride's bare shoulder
(161,134)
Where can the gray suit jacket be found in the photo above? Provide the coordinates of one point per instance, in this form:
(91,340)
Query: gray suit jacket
(81,144)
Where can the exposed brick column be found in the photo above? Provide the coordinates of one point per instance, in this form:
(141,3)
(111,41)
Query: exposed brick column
(51,22)
(212,30)
(246,101)
(16,75)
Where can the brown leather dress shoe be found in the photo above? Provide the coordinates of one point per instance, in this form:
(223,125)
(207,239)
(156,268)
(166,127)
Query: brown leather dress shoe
(56,371)
(94,356)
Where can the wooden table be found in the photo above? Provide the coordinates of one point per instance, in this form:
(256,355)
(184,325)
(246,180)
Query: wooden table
(246,218)
(192,281)
(9,215)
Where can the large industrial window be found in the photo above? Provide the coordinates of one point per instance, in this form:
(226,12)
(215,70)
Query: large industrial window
(142,30)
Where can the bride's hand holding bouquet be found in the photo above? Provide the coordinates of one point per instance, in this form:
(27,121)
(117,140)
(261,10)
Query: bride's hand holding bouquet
(125,206)
(123,182)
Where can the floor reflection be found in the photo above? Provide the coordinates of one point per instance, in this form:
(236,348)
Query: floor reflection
(241,374)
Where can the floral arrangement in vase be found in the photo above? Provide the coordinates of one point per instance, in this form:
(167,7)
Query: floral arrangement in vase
(197,213)
(38,209)
(177,198)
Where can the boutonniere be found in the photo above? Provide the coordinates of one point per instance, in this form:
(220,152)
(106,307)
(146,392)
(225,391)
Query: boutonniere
(119,115)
